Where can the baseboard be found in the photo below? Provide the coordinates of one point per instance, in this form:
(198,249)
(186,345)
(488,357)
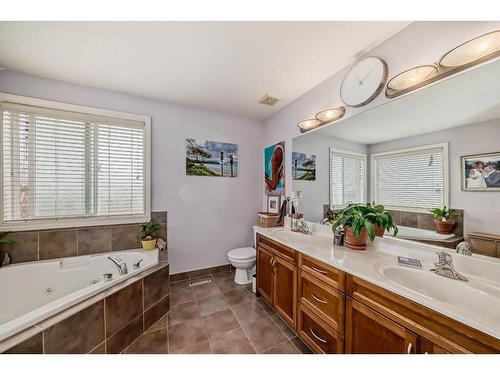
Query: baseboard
(200,272)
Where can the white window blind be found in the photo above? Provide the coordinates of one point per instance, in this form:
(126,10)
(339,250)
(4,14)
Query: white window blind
(412,178)
(347,177)
(59,164)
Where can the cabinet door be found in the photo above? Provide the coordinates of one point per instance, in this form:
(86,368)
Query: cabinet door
(265,276)
(285,290)
(368,332)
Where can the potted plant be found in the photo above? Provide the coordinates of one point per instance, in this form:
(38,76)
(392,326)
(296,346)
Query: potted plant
(359,221)
(148,235)
(444,219)
(4,239)
(382,220)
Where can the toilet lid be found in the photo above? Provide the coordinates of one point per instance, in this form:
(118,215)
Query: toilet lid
(242,253)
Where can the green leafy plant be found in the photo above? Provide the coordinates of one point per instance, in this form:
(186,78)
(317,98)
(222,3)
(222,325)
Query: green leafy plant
(379,216)
(148,230)
(4,239)
(444,214)
(364,216)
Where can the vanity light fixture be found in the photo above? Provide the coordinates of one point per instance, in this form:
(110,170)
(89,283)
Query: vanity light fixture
(309,124)
(474,51)
(410,80)
(330,115)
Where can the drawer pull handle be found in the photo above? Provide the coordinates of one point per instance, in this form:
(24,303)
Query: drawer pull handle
(317,337)
(319,270)
(321,300)
(410,346)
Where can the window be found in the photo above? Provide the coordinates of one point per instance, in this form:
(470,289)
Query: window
(415,178)
(347,177)
(65,167)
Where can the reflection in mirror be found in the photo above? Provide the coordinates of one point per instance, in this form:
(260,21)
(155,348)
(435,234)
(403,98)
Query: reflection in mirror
(438,146)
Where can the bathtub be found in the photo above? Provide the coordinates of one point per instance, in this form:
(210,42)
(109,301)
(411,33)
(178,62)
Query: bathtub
(31,292)
(420,234)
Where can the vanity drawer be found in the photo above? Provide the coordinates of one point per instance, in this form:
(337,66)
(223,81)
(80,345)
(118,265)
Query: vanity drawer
(277,248)
(328,274)
(318,335)
(323,300)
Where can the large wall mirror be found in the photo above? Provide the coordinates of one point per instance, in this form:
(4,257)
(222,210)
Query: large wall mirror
(438,146)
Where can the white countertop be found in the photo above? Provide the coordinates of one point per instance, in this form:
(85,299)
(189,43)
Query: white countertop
(475,303)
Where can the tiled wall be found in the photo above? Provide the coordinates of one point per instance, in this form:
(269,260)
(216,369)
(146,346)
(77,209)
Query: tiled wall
(425,221)
(59,243)
(109,325)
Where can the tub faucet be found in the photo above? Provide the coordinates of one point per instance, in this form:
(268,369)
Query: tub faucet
(5,260)
(120,264)
(444,267)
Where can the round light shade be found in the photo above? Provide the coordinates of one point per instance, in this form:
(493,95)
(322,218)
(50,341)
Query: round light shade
(475,50)
(330,114)
(412,77)
(309,124)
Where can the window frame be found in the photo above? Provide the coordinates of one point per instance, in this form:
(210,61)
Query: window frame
(56,223)
(362,156)
(446,174)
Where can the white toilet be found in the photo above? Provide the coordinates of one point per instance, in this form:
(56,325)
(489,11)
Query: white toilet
(243,259)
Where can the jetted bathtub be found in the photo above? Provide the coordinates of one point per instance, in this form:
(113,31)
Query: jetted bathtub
(31,292)
(409,233)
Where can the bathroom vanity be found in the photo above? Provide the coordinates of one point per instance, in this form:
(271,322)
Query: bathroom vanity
(346,301)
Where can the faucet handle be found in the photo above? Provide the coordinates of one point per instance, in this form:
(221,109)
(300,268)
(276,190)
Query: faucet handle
(444,257)
(107,277)
(137,264)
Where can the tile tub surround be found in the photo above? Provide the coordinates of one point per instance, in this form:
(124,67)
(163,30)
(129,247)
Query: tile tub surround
(425,220)
(106,323)
(59,243)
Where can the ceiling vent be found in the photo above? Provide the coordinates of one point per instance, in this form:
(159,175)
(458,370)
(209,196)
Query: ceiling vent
(269,100)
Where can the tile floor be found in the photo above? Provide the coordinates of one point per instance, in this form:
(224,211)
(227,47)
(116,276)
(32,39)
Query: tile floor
(218,317)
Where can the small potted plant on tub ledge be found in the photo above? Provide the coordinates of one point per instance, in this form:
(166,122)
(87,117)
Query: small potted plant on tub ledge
(445,219)
(359,222)
(148,235)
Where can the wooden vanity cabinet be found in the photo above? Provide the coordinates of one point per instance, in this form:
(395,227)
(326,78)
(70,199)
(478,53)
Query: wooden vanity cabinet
(335,312)
(435,332)
(277,278)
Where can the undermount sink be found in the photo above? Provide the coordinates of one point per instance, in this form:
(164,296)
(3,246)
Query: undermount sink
(288,236)
(439,288)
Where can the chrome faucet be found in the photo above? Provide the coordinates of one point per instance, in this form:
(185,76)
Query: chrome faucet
(303,228)
(120,264)
(444,267)
(5,260)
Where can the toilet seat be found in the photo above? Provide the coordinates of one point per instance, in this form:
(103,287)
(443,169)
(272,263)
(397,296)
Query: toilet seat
(242,253)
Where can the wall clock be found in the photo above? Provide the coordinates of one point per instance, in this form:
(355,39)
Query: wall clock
(364,81)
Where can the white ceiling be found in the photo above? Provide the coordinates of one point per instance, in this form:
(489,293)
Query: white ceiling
(468,98)
(220,66)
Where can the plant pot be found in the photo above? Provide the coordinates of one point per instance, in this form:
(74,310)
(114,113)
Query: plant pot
(356,243)
(148,245)
(379,232)
(444,227)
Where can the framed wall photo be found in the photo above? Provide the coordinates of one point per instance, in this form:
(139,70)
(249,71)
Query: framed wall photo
(481,172)
(273,204)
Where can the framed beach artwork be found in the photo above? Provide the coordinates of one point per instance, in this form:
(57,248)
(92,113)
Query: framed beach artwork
(209,158)
(481,172)
(303,166)
(274,169)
